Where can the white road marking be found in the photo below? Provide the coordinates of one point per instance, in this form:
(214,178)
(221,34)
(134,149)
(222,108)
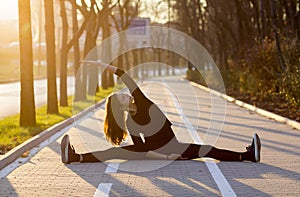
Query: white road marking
(103,190)
(213,168)
(112,168)
(219,178)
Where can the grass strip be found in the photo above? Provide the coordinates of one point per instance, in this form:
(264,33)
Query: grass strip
(11,134)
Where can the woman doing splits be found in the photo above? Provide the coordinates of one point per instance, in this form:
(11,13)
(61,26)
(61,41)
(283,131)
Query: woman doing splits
(149,129)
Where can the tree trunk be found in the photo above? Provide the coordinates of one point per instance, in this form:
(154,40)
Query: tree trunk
(261,20)
(276,35)
(79,95)
(27,111)
(92,71)
(63,56)
(106,77)
(90,49)
(52,103)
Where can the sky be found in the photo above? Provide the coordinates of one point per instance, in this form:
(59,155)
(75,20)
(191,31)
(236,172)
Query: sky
(8,9)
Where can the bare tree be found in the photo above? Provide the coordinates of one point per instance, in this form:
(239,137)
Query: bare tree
(276,30)
(52,102)
(126,11)
(27,115)
(107,7)
(63,55)
(91,15)
(66,45)
(80,78)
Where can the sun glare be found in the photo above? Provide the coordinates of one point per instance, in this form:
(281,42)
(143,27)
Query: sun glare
(8,9)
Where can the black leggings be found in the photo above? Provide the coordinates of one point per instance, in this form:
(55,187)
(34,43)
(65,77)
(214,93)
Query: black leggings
(190,151)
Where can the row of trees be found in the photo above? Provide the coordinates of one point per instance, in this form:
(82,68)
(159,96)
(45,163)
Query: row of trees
(27,107)
(254,42)
(229,28)
(96,16)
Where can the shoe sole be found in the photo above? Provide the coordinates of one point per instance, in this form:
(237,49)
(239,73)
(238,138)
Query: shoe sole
(257,145)
(64,149)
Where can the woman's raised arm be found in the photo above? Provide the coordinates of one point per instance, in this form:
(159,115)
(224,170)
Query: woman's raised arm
(129,82)
(101,64)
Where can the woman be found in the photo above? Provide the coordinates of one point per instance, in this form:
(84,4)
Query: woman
(150,130)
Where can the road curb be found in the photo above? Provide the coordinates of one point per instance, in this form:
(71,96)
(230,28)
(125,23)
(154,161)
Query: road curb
(257,110)
(17,152)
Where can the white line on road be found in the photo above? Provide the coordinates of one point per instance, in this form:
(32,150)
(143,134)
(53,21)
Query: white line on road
(219,178)
(112,168)
(103,190)
(213,168)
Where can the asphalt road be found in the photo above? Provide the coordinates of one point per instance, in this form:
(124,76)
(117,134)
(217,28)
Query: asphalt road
(10,95)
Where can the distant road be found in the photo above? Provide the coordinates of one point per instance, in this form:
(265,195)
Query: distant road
(10,95)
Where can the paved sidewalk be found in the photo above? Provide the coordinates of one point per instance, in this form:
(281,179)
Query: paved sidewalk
(196,116)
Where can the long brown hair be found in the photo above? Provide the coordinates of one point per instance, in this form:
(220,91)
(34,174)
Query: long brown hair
(114,122)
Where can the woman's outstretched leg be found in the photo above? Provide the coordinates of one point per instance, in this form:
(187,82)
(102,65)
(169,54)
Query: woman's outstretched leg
(128,152)
(252,154)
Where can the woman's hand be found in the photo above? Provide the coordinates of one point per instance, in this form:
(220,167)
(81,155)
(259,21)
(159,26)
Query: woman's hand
(176,157)
(101,64)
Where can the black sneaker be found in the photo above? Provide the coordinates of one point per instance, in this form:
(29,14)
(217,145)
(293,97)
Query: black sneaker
(68,154)
(254,149)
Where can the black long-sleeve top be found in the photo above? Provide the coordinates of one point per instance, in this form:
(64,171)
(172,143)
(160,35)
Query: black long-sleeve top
(149,120)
